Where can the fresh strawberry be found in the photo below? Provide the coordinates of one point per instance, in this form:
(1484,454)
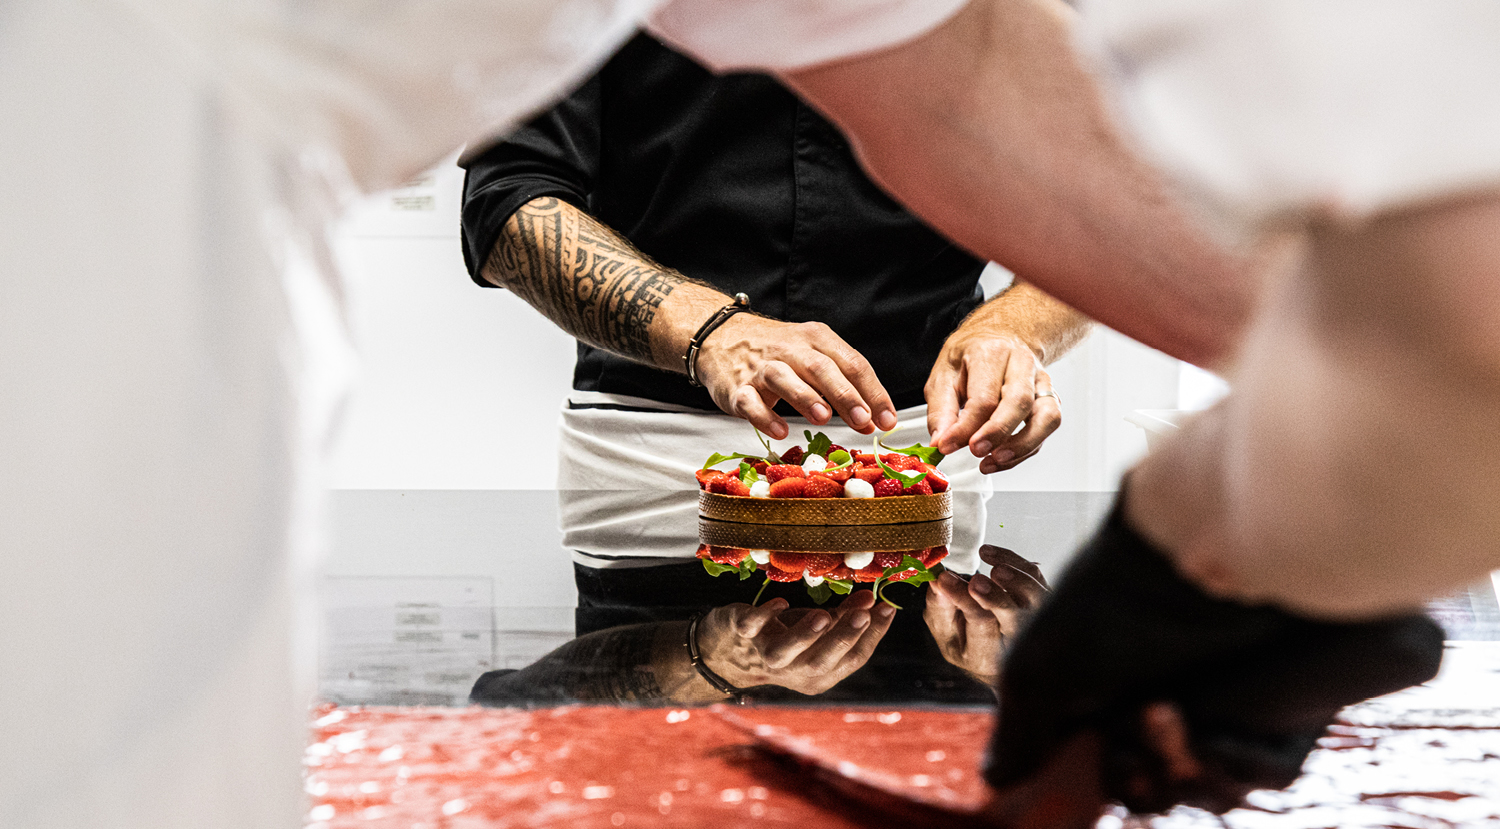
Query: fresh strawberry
(886,559)
(841,572)
(789,488)
(841,476)
(893,459)
(760,467)
(730,485)
(705,476)
(869,474)
(869,573)
(782,471)
(937,480)
(777,574)
(728,555)
(793,455)
(819,486)
(933,555)
(834,447)
(886,487)
(790,562)
(864,459)
(703,551)
(821,564)
(919,488)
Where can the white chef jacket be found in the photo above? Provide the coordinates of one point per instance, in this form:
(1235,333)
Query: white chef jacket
(1263,108)
(171,349)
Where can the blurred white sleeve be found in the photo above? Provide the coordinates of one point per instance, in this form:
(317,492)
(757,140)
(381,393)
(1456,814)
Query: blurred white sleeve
(792,34)
(392,87)
(1344,107)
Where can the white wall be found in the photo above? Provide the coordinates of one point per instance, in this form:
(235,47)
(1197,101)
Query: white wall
(459,383)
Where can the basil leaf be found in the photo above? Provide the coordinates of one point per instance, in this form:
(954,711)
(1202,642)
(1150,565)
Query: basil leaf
(928,454)
(840,587)
(747,473)
(906,479)
(840,458)
(818,444)
(747,568)
(714,568)
(821,593)
(715,459)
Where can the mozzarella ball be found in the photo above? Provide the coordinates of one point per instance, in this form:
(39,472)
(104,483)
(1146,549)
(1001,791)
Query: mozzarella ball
(812,581)
(858,561)
(813,463)
(760,556)
(762,489)
(856,488)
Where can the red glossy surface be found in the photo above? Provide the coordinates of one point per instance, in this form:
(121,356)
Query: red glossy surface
(1426,757)
(441,768)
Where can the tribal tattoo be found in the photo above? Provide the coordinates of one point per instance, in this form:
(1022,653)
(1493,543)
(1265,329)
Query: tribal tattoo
(581,275)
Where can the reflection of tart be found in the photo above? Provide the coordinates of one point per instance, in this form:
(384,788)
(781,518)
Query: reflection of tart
(825,573)
(823,484)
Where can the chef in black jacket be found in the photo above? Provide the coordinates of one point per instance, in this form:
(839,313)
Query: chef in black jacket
(733,185)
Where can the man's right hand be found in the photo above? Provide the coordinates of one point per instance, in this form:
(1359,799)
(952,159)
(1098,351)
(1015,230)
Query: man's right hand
(750,363)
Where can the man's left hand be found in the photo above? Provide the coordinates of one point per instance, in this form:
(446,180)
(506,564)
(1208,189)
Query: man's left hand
(983,386)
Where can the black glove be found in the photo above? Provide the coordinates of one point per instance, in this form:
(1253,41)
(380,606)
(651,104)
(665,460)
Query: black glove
(1256,686)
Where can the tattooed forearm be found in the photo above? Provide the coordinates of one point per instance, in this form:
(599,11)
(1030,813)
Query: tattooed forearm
(610,665)
(582,276)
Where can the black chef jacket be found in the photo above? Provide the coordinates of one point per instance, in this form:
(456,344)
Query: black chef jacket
(731,180)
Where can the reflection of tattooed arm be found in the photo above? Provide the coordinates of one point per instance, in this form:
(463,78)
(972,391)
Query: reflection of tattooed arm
(635,663)
(596,286)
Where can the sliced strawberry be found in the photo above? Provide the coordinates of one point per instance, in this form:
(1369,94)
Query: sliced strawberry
(818,486)
(759,467)
(933,555)
(734,486)
(869,474)
(790,562)
(869,573)
(886,487)
(919,488)
(703,551)
(834,447)
(728,555)
(886,559)
(705,476)
(822,564)
(937,480)
(793,455)
(789,488)
(782,471)
(864,459)
(841,476)
(777,574)
(841,572)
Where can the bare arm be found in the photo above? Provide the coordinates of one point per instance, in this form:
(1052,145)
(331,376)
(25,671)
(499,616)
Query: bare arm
(986,379)
(991,130)
(1356,468)
(597,287)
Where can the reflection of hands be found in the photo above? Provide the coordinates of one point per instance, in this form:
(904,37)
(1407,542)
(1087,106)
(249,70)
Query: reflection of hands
(750,362)
(971,622)
(808,651)
(981,388)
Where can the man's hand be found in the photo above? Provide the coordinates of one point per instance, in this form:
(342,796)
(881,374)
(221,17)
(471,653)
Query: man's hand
(808,651)
(972,622)
(980,390)
(988,379)
(750,362)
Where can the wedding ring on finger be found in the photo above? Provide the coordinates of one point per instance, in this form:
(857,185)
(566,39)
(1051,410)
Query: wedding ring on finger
(1052,394)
